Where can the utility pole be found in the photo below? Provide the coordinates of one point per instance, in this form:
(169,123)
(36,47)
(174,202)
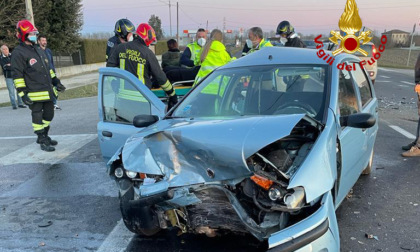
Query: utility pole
(170,18)
(29,13)
(177,23)
(224,25)
(411,43)
(207,25)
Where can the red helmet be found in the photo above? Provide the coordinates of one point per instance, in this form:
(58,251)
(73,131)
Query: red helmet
(24,27)
(147,33)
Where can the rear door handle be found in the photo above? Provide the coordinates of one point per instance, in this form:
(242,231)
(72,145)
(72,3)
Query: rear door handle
(106,134)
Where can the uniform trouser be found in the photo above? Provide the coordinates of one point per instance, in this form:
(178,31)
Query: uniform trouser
(42,115)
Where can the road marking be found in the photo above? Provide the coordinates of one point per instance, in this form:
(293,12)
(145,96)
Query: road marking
(384,81)
(31,153)
(403,85)
(409,83)
(387,70)
(117,240)
(386,77)
(34,136)
(403,132)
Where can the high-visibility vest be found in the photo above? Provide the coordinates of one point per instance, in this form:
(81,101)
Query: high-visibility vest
(263,43)
(216,57)
(195,52)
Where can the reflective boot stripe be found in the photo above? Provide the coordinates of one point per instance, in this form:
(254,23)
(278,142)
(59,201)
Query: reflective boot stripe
(37,126)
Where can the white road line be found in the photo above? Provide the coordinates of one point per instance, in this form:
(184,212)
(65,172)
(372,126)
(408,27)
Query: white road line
(386,70)
(386,77)
(34,136)
(117,240)
(403,132)
(31,153)
(403,85)
(409,83)
(383,81)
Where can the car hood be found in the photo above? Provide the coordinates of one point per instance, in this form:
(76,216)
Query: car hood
(198,151)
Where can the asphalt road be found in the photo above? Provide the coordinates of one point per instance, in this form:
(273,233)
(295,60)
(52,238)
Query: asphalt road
(64,201)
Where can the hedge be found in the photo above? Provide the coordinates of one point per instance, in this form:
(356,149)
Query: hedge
(93,50)
(161,47)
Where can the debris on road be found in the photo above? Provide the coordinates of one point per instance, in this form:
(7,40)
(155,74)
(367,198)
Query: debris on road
(42,244)
(45,224)
(370,236)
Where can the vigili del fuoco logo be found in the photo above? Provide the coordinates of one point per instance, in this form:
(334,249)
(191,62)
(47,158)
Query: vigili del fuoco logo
(350,23)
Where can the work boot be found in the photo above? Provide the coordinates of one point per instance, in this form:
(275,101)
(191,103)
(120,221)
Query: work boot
(43,141)
(52,142)
(408,146)
(413,152)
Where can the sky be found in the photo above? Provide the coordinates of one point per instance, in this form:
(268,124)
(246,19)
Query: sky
(307,16)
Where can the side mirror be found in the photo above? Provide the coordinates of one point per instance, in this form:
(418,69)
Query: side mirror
(358,120)
(141,121)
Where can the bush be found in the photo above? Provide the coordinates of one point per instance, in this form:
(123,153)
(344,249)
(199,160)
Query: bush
(93,50)
(161,47)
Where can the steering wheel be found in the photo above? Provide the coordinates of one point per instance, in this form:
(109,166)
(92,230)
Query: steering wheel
(293,106)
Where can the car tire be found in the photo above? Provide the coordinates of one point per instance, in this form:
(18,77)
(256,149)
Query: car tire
(368,168)
(132,221)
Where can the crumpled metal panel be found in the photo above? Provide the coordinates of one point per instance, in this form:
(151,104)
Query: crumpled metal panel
(183,149)
(318,172)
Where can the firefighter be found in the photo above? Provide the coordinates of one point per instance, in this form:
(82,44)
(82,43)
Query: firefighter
(123,30)
(287,34)
(138,59)
(35,82)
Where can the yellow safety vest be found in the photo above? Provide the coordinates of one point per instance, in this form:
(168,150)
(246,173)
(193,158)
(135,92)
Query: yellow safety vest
(195,52)
(263,43)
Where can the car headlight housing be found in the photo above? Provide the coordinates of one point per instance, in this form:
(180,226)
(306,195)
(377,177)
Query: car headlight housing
(131,174)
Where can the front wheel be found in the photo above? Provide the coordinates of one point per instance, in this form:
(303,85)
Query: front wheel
(136,218)
(368,168)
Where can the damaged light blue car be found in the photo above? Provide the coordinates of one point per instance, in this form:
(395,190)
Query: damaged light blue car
(268,145)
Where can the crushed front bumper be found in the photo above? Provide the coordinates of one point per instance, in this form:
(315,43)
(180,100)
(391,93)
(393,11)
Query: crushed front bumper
(318,232)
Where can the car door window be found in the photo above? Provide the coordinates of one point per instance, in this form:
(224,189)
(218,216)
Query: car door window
(347,99)
(362,84)
(122,101)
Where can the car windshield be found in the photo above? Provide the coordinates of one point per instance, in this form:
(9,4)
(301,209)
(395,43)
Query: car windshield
(259,90)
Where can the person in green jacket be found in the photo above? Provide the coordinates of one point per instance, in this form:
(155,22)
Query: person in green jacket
(214,55)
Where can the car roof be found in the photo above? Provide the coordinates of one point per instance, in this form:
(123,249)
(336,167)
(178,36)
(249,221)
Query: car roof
(282,55)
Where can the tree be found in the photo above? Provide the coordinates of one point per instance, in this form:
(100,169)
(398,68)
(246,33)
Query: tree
(156,23)
(11,12)
(59,20)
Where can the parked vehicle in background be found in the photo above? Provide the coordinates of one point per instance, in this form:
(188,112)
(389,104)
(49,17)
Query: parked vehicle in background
(310,44)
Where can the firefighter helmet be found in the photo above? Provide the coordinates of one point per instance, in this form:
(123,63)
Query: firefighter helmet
(147,33)
(123,27)
(285,28)
(24,27)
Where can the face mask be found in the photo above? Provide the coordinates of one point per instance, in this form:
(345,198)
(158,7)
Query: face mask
(130,38)
(283,40)
(32,39)
(249,43)
(201,42)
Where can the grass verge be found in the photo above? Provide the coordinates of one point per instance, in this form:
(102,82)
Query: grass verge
(79,92)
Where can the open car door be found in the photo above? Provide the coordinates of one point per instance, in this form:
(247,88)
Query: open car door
(121,96)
